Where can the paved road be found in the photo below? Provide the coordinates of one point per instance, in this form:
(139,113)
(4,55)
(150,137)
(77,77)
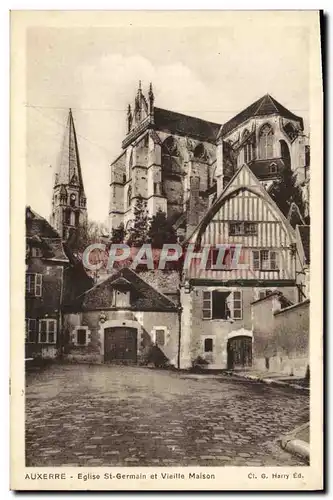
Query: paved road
(113,415)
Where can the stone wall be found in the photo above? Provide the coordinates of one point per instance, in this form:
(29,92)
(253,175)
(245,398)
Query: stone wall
(281,336)
(145,322)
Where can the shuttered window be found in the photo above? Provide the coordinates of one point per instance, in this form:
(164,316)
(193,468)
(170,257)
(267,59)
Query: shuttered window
(222,305)
(33,284)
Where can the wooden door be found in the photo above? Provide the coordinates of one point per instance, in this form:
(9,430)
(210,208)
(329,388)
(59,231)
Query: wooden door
(120,344)
(239,352)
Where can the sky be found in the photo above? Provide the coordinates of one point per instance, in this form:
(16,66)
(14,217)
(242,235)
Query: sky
(210,73)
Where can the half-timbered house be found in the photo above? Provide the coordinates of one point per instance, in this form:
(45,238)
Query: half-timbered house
(216,302)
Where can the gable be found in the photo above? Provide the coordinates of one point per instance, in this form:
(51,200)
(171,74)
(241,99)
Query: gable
(143,297)
(244,199)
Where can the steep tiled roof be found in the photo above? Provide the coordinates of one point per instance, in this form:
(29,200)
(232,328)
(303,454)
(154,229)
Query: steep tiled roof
(143,296)
(36,225)
(261,168)
(177,123)
(264,106)
(304,232)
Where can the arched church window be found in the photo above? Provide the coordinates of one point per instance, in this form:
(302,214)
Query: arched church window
(170,147)
(130,163)
(170,157)
(266,142)
(248,147)
(67,216)
(77,218)
(124,178)
(200,152)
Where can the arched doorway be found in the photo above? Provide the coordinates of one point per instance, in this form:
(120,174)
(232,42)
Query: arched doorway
(120,344)
(239,351)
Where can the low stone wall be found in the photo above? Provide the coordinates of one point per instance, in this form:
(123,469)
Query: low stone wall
(281,342)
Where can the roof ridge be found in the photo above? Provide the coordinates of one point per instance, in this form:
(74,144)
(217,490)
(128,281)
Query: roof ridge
(187,116)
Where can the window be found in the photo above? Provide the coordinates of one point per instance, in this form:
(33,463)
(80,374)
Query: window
(124,178)
(265,260)
(228,258)
(72,219)
(77,218)
(36,252)
(266,142)
(81,336)
(248,152)
(243,228)
(273,168)
(30,330)
(235,228)
(160,337)
(222,304)
(47,331)
(33,285)
(67,216)
(208,345)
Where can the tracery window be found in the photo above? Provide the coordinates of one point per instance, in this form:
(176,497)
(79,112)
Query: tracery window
(266,137)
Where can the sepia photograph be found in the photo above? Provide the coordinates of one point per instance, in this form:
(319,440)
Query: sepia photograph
(167,222)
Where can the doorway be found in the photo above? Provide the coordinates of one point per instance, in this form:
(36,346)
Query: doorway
(120,345)
(239,350)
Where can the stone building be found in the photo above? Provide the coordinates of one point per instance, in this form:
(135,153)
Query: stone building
(120,320)
(180,164)
(69,203)
(53,277)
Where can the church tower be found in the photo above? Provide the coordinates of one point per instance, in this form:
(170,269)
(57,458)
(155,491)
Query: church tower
(69,209)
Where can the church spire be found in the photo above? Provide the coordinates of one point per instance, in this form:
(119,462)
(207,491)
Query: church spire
(69,200)
(69,166)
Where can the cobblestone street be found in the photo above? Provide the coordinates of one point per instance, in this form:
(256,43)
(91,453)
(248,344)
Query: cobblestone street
(115,415)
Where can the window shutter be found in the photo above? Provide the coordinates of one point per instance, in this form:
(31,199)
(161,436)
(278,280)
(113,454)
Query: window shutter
(42,331)
(256,259)
(73,337)
(207,305)
(51,331)
(274,264)
(88,337)
(237,305)
(38,285)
